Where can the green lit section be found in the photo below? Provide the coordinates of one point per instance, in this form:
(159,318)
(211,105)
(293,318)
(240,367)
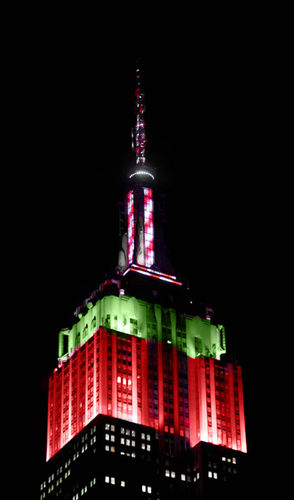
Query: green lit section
(192,335)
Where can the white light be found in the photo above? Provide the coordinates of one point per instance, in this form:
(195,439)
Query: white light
(141,172)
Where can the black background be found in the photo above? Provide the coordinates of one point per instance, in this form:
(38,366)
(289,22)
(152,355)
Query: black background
(205,123)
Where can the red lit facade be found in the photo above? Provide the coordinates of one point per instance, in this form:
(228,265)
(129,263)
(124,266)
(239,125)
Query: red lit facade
(149,383)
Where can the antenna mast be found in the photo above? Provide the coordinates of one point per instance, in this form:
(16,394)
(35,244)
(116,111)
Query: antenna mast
(139,133)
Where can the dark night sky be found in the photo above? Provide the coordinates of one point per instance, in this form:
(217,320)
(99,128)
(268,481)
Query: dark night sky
(205,138)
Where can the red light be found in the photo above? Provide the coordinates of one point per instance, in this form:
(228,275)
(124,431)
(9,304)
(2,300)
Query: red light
(79,390)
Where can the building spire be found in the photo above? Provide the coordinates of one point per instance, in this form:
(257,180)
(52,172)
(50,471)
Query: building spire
(139,142)
(139,131)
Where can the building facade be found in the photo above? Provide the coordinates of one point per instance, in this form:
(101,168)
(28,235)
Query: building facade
(150,383)
(142,403)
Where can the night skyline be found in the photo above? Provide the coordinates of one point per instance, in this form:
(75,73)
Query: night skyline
(90,147)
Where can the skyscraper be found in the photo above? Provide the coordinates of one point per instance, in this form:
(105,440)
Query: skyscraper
(142,405)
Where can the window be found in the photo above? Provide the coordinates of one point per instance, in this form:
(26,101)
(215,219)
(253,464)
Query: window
(183,477)
(109,479)
(93,482)
(147,489)
(123,484)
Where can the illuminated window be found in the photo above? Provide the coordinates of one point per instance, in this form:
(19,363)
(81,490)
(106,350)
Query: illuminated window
(109,479)
(123,484)
(84,490)
(215,475)
(183,477)
(209,473)
(147,489)
(167,473)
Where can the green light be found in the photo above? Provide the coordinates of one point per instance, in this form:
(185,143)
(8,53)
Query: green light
(192,335)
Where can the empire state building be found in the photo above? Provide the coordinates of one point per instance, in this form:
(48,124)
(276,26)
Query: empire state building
(142,403)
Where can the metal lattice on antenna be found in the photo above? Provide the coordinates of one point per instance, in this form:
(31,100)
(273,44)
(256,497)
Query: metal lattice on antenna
(139,133)
(141,170)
